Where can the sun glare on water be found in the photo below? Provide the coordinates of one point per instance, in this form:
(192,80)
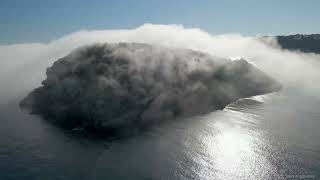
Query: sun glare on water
(232,149)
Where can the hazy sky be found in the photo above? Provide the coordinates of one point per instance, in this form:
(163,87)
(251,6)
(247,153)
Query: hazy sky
(42,20)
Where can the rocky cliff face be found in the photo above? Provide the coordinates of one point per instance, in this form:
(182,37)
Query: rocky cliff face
(129,86)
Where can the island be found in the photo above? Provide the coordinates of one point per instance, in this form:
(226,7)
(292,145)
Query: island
(126,87)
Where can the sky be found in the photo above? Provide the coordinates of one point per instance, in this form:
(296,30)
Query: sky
(25,21)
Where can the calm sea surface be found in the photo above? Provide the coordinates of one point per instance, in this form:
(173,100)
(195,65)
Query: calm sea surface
(274,136)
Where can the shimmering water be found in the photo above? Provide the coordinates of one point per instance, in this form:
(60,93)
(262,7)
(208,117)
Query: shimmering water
(274,136)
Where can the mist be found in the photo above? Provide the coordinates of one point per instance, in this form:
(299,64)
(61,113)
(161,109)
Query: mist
(23,66)
(129,86)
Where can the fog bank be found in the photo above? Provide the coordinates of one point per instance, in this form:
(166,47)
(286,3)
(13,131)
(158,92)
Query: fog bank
(129,86)
(22,66)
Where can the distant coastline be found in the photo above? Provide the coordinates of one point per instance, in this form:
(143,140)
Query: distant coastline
(307,43)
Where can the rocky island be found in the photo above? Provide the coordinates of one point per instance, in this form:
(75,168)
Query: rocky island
(129,86)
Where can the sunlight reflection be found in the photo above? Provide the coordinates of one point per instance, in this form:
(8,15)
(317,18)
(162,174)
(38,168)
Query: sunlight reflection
(232,148)
(230,144)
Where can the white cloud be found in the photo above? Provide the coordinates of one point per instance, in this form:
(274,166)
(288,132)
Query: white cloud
(23,66)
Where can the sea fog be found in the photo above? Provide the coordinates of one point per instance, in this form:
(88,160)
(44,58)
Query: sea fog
(273,136)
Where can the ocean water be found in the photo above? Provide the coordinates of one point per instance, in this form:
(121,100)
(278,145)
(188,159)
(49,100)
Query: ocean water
(273,136)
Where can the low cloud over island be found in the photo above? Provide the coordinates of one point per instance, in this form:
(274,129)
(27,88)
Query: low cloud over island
(105,87)
(23,66)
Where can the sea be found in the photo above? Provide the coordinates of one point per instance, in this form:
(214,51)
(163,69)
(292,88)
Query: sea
(272,136)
